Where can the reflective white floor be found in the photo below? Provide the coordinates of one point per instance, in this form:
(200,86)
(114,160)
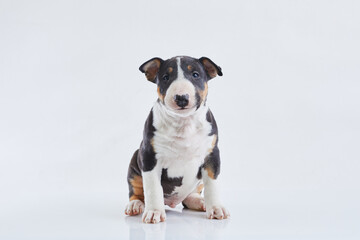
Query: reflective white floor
(255,216)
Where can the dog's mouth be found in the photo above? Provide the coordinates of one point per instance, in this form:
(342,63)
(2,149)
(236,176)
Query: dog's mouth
(181,111)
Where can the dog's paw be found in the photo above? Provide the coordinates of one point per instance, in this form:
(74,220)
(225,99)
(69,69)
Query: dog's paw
(153,216)
(134,207)
(217,212)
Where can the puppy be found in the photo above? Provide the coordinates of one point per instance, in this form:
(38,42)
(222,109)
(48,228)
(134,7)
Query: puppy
(178,155)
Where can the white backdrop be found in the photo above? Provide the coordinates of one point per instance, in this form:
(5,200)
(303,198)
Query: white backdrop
(73,105)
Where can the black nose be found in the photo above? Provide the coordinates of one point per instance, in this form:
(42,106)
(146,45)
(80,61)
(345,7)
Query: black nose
(182,101)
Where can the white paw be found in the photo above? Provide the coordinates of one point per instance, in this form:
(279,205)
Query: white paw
(134,207)
(217,212)
(153,216)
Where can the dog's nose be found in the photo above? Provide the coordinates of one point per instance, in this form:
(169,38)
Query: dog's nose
(182,100)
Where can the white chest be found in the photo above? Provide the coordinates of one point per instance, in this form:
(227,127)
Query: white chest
(180,142)
(181,146)
(178,153)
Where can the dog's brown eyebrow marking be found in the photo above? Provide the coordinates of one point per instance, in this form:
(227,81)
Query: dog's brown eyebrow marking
(189,67)
(170,69)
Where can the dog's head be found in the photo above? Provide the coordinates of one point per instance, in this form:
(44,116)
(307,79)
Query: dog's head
(181,81)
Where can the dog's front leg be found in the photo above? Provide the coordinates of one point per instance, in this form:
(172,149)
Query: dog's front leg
(214,208)
(154,198)
(209,173)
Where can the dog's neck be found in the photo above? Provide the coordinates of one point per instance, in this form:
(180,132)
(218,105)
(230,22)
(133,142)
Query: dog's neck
(181,124)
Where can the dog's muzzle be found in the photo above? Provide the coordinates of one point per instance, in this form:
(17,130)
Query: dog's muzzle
(181,100)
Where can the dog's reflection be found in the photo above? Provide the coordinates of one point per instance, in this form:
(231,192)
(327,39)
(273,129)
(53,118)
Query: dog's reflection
(179,224)
(140,230)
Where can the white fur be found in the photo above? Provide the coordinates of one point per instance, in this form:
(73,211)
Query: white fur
(153,193)
(210,190)
(214,209)
(181,145)
(152,189)
(134,207)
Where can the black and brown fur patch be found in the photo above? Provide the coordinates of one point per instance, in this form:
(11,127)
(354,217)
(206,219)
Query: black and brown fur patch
(203,93)
(160,95)
(135,180)
(146,158)
(212,161)
(137,188)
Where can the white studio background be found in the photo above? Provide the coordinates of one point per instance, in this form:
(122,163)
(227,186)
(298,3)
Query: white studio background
(73,105)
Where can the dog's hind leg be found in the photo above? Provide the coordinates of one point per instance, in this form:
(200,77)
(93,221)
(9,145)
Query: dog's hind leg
(195,201)
(136,192)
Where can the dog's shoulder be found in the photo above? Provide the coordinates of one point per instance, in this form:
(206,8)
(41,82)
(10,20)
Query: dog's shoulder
(211,119)
(146,158)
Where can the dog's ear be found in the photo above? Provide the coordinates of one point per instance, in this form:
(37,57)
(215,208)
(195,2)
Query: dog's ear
(210,67)
(151,68)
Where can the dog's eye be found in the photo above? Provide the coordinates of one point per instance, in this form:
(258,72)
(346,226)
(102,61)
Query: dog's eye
(196,75)
(165,77)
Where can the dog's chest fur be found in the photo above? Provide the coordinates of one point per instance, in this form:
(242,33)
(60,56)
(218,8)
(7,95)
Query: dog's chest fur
(181,145)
